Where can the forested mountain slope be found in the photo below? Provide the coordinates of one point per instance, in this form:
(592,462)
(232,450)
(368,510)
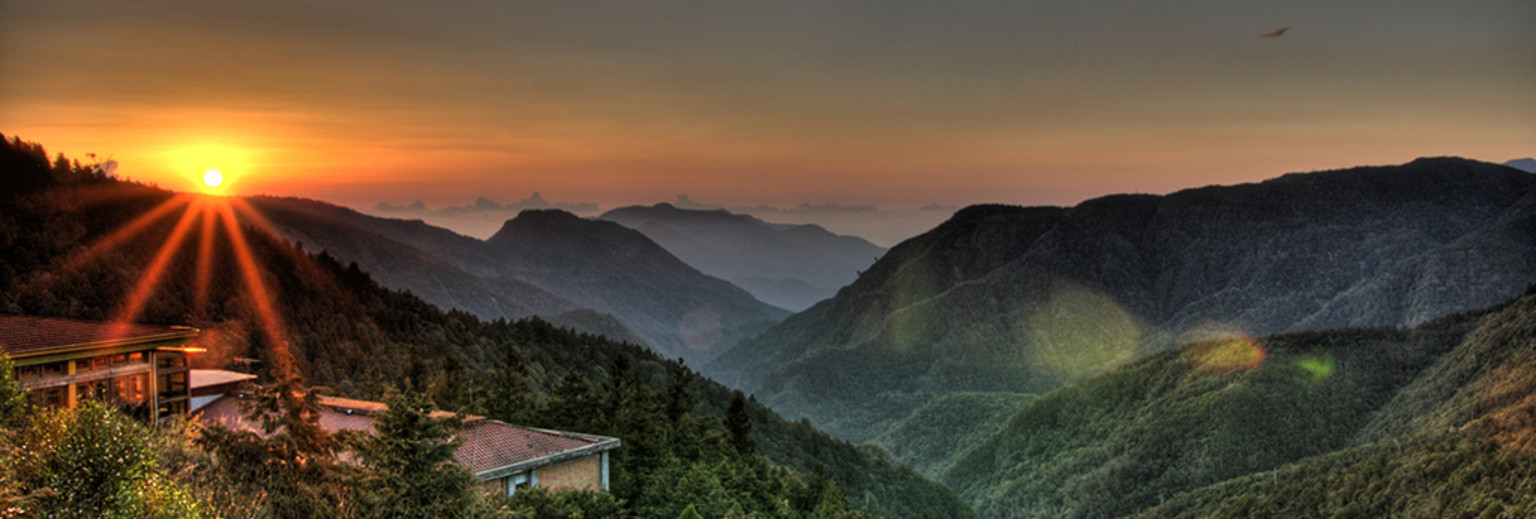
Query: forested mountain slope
(1027,299)
(61,256)
(544,262)
(1432,421)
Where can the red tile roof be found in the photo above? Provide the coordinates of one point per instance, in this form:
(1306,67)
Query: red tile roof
(491,444)
(488,444)
(22,334)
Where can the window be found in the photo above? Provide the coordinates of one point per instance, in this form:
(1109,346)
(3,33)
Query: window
(520,480)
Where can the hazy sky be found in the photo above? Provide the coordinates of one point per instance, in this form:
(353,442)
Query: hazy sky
(891,103)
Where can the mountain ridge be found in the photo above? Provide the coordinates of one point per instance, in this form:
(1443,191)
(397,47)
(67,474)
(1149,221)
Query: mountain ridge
(787,265)
(969,305)
(547,262)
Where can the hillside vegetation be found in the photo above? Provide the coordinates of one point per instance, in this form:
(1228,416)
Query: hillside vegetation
(943,431)
(1025,300)
(1432,421)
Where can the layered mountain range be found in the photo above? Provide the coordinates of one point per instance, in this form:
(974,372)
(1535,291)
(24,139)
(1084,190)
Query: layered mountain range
(1027,299)
(788,266)
(595,276)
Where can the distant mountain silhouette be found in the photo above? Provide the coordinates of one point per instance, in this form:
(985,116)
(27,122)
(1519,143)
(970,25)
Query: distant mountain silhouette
(1027,299)
(1527,164)
(789,266)
(545,262)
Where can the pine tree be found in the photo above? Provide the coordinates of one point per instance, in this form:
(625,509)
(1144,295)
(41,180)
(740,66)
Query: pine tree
(510,397)
(408,464)
(738,425)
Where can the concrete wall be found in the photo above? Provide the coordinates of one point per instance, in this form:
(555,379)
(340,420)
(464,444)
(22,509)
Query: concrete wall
(578,474)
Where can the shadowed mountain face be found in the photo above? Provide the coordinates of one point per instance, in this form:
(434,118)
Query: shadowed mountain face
(789,266)
(1027,299)
(545,262)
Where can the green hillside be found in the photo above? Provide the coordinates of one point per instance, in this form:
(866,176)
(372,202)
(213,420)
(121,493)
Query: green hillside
(1385,417)
(1456,442)
(1028,299)
(940,432)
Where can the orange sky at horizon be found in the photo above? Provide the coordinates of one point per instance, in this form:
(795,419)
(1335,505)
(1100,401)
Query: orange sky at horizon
(890,104)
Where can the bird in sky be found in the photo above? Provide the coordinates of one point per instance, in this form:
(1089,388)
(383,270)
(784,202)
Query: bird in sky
(1275,34)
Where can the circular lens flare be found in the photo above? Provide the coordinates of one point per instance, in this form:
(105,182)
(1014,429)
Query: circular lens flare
(213,178)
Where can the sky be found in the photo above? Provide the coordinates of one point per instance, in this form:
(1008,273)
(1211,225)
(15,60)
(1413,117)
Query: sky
(895,104)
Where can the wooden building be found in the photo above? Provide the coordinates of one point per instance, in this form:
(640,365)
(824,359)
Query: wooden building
(60,362)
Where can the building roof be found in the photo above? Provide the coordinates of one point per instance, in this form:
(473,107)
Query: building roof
(491,448)
(201,378)
(490,445)
(23,334)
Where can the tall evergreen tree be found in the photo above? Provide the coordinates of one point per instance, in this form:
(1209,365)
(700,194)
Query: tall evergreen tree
(509,395)
(738,425)
(408,465)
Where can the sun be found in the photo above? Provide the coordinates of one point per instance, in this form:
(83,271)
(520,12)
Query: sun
(212,178)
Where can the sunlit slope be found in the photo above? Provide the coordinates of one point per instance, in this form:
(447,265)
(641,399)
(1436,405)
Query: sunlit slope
(1141,435)
(1027,299)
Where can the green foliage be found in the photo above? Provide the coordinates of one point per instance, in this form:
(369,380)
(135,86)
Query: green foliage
(738,424)
(941,432)
(1450,475)
(292,470)
(539,503)
(91,461)
(408,469)
(13,401)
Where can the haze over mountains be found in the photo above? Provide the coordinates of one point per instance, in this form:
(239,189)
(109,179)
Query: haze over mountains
(788,266)
(1027,299)
(545,262)
(881,226)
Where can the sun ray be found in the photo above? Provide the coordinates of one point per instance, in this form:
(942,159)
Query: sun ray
(126,231)
(257,292)
(261,222)
(204,264)
(134,303)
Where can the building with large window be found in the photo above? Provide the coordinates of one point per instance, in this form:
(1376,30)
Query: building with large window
(60,362)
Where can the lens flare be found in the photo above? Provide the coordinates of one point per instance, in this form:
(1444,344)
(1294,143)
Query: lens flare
(1216,348)
(1078,332)
(1320,366)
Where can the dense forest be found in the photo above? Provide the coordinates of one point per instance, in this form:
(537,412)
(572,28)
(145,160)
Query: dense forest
(1029,299)
(1430,421)
(75,243)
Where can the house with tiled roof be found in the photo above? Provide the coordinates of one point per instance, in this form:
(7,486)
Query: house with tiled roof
(504,457)
(60,362)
